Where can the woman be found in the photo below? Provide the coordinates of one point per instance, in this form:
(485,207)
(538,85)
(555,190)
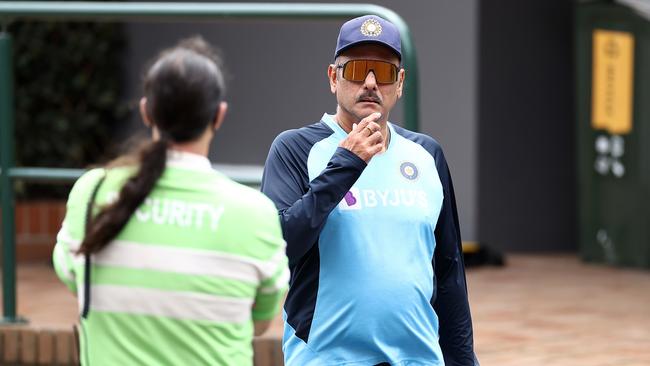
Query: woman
(174,264)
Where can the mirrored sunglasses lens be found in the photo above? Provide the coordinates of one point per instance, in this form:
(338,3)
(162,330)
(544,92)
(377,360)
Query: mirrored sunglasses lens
(385,72)
(357,70)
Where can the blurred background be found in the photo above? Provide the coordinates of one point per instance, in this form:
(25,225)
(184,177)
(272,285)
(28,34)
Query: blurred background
(496,90)
(541,107)
(485,95)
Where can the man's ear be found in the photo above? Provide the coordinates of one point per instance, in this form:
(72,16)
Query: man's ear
(332,76)
(143,112)
(400,82)
(221,113)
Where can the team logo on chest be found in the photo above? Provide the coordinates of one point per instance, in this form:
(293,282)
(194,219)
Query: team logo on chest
(409,170)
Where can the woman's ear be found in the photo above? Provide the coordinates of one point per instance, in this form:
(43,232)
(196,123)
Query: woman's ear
(143,112)
(221,114)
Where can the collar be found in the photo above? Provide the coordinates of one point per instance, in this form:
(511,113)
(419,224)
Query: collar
(329,120)
(186,160)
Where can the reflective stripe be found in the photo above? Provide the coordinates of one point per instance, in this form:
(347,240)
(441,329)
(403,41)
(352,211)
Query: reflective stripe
(61,260)
(64,237)
(270,267)
(178,260)
(171,304)
(280,283)
(81,298)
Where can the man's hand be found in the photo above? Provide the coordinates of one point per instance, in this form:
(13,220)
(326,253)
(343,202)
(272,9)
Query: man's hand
(365,140)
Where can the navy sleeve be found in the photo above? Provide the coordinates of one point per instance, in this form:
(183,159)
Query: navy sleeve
(450,303)
(303,205)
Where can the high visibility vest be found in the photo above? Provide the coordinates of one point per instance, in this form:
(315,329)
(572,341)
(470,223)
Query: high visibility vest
(181,284)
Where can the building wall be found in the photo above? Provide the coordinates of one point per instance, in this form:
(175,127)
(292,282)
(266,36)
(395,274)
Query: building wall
(278,81)
(527,179)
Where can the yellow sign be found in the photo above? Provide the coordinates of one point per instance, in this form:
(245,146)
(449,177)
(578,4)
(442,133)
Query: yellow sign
(612,82)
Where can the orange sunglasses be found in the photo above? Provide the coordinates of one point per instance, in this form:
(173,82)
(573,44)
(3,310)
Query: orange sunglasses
(357,70)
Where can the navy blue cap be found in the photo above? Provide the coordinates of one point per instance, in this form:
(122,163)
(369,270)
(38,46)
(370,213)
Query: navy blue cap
(368,28)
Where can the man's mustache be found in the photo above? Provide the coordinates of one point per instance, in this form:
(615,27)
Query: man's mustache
(369,97)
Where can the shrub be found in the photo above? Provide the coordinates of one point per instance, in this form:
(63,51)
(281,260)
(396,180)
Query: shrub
(67,95)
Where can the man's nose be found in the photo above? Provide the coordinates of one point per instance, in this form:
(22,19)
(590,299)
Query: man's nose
(371,81)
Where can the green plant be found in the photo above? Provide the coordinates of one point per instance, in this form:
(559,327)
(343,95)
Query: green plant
(67,95)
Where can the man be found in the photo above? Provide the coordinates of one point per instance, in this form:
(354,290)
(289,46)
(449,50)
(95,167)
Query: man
(368,212)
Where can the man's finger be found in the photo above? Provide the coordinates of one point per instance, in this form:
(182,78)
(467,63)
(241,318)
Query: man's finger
(376,149)
(369,129)
(374,126)
(376,137)
(371,118)
(361,125)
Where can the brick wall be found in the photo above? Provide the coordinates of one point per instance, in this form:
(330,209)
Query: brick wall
(28,345)
(25,345)
(37,223)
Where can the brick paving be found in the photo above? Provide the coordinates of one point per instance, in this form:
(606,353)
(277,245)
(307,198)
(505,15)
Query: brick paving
(538,310)
(557,311)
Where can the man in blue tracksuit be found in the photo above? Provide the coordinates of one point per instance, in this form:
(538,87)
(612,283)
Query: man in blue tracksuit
(369,216)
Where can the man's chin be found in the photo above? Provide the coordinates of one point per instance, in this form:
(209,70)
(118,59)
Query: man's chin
(366,108)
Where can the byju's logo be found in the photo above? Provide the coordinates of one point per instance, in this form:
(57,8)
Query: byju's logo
(351,200)
(357,199)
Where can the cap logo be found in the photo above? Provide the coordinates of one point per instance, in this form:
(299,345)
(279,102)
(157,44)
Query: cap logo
(371,28)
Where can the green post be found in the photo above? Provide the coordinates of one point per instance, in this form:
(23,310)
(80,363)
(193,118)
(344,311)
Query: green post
(6,189)
(411,86)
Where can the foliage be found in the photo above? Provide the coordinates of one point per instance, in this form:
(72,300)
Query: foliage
(67,95)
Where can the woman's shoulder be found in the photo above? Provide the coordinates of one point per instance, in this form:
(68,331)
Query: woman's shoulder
(86,182)
(243,196)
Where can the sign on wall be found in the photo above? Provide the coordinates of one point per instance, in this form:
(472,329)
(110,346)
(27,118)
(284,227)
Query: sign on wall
(612,81)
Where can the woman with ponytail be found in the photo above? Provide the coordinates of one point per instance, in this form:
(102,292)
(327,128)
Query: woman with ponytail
(172,263)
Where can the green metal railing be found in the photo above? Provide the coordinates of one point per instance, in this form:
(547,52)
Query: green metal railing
(158,12)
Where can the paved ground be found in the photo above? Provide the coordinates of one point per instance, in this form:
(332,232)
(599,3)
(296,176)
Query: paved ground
(552,311)
(538,310)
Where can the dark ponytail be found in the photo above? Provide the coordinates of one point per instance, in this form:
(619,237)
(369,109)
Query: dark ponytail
(183,87)
(112,219)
